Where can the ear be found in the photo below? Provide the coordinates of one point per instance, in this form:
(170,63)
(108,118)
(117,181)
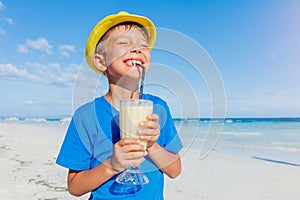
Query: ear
(99,62)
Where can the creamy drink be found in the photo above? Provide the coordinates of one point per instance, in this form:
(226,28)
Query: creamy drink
(132,112)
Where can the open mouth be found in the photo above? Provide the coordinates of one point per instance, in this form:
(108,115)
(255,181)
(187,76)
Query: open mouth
(133,62)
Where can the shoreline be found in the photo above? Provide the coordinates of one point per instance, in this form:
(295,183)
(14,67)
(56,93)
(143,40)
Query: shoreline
(28,154)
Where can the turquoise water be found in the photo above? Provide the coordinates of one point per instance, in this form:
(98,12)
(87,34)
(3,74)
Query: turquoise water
(270,139)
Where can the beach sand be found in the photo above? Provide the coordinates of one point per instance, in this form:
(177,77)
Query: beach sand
(28,153)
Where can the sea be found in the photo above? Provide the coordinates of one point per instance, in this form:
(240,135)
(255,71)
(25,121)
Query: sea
(274,140)
(269,139)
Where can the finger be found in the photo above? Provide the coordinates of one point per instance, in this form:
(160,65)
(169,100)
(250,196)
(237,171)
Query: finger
(152,117)
(150,136)
(149,125)
(134,155)
(148,132)
(128,141)
(133,148)
(135,162)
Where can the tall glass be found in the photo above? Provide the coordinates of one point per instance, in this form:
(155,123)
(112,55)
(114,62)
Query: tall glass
(132,112)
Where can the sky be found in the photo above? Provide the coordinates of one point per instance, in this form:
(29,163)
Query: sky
(253,45)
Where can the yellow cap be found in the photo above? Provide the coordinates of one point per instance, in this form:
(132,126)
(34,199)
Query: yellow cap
(108,22)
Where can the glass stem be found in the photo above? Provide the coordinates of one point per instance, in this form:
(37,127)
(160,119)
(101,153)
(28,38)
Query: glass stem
(133,169)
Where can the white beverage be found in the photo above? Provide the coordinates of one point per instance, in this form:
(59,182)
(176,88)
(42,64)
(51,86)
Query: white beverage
(132,112)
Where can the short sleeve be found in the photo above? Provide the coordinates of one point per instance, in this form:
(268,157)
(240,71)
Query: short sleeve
(73,153)
(169,138)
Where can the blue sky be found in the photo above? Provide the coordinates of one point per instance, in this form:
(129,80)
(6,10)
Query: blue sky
(254,44)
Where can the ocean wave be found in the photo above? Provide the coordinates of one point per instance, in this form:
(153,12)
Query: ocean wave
(229,121)
(35,120)
(242,133)
(11,119)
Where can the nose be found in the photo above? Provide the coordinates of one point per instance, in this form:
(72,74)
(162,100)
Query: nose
(135,50)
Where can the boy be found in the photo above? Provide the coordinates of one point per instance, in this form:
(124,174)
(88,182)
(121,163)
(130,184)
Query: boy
(92,149)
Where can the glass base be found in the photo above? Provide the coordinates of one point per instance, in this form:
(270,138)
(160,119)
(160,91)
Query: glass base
(122,189)
(132,176)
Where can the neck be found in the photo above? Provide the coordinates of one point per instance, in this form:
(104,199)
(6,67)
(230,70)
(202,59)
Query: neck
(117,93)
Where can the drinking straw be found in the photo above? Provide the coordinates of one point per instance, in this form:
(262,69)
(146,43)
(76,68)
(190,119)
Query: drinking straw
(142,81)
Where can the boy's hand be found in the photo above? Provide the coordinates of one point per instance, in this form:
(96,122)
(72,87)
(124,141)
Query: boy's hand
(127,152)
(149,130)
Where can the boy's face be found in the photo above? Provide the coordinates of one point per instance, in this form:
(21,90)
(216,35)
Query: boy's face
(124,48)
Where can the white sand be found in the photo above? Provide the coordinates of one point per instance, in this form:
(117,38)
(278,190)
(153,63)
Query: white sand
(28,156)
(28,152)
(221,176)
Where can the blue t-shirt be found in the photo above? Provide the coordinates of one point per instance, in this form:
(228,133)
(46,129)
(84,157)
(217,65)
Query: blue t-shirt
(89,141)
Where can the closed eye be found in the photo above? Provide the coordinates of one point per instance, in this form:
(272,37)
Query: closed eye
(143,44)
(122,43)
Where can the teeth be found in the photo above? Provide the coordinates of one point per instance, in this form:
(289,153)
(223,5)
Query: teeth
(134,62)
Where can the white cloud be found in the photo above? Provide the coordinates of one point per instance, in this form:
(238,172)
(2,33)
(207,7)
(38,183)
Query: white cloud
(64,53)
(2,6)
(22,49)
(11,72)
(9,20)
(65,50)
(41,44)
(2,32)
(54,74)
(67,47)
